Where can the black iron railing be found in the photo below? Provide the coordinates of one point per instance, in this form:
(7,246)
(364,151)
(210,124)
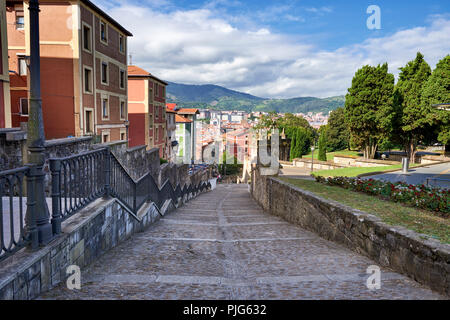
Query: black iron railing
(76,182)
(12,208)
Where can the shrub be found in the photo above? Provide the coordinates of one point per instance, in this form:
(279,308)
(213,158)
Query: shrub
(421,196)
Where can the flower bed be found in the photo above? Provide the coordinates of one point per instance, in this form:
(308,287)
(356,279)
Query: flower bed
(421,196)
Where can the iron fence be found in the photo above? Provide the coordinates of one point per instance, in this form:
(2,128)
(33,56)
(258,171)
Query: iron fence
(76,181)
(12,208)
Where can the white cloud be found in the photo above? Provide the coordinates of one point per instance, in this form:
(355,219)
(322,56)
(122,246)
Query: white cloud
(198,46)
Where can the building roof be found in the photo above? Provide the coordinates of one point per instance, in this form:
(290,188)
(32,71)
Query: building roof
(135,71)
(102,13)
(107,17)
(181,119)
(188,111)
(171,106)
(170,111)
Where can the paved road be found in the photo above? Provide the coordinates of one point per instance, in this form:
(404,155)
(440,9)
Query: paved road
(223,246)
(420,175)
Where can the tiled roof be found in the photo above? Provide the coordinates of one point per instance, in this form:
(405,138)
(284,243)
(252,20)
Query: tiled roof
(181,119)
(188,111)
(139,72)
(171,106)
(170,111)
(136,71)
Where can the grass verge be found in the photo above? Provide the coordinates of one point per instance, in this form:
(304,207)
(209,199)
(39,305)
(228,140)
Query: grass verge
(355,171)
(391,213)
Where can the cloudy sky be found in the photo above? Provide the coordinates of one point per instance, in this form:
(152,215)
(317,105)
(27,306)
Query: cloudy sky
(282,48)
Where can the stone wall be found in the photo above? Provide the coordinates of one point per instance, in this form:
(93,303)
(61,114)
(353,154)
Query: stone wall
(12,145)
(318,165)
(86,236)
(137,160)
(418,256)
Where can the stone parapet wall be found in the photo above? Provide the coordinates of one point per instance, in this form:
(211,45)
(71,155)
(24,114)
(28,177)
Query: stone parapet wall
(418,256)
(318,165)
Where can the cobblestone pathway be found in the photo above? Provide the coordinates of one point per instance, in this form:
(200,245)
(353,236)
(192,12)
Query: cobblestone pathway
(221,245)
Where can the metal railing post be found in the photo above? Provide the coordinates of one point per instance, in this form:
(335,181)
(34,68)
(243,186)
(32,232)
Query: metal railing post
(30,218)
(107,173)
(134,197)
(55,168)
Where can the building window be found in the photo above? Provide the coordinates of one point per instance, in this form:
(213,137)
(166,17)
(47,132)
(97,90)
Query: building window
(89,128)
(103,32)
(121,43)
(150,95)
(156,134)
(105,108)
(122,79)
(156,90)
(20,20)
(156,112)
(123,110)
(87,42)
(122,136)
(105,137)
(87,80)
(23,66)
(24,106)
(104,72)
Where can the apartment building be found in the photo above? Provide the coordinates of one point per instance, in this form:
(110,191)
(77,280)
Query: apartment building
(5,102)
(159,116)
(147,114)
(83,68)
(191,114)
(171,140)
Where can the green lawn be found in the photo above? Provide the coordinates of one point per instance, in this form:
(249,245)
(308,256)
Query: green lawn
(355,171)
(391,213)
(330,155)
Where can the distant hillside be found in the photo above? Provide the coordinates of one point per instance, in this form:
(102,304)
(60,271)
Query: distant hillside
(220,98)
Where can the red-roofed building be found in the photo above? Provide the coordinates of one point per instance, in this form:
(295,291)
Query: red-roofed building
(147,110)
(171,106)
(190,114)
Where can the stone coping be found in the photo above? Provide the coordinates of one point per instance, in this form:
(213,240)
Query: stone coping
(57,142)
(133,149)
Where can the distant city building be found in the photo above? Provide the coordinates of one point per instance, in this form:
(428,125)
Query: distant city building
(147,110)
(183,136)
(190,114)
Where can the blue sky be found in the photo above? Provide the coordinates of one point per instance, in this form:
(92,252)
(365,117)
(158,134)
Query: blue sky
(284,48)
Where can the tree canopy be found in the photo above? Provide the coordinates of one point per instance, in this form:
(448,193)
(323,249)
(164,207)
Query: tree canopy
(411,123)
(368,107)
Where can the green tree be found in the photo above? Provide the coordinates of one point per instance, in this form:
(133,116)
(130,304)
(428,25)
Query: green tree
(338,135)
(411,122)
(368,107)
(436,91)
(300,142)
(323,144)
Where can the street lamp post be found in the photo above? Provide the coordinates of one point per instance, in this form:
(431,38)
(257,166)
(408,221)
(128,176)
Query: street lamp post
(312,158)
(37,216)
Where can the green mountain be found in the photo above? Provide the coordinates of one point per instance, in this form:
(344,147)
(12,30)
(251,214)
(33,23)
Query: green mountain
(220,98)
